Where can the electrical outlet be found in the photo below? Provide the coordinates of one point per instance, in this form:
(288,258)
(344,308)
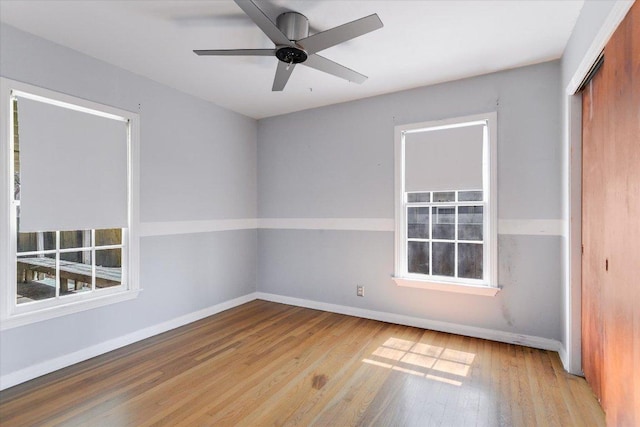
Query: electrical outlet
(360,290)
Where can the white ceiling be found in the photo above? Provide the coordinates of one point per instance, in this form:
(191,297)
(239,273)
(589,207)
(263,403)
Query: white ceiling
(422,43)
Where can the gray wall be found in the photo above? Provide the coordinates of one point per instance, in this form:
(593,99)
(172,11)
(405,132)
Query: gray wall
(338,162)
(197,162)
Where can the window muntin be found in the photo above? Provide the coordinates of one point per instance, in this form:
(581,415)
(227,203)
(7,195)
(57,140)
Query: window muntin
(73,270)
(446,235)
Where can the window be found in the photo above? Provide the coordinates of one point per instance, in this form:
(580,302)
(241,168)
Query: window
(446,235)
(68,204)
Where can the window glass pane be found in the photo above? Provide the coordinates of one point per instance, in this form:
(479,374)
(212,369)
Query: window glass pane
(75,239)
(469,196)
(419,197)
(75,272)
(36,278)
(111,236)
(443,259)
(418,223)
(470,260)
(418,257)
(444,223)
(470,222)
(108,268)
(28,242)
(444,196)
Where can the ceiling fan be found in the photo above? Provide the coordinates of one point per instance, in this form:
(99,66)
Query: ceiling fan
(294,45)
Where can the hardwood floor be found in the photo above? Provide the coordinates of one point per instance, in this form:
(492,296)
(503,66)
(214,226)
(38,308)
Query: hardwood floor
(272,364)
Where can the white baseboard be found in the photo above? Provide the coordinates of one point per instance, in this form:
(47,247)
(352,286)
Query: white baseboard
(49,366)
(471,331)
(566,362)
(564,357)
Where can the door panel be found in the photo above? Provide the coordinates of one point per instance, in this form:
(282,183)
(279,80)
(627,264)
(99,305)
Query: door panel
(593,216)
(611,227)
(622,281)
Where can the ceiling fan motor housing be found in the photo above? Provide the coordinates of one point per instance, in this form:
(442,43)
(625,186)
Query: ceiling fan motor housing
(295,26)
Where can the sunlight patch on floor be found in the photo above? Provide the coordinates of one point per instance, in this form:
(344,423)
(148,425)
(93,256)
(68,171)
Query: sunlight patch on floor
(422,360)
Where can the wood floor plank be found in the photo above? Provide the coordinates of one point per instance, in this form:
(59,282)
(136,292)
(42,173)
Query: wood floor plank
(271,364)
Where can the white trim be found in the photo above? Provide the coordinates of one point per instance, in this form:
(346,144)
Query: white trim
(460,288)
(26,90)
(573,240)
(357,224)
(6,195)
(54,98)
(132,270)
(616,15)
(564,358)
(531,227)
(490,160)
(573,175)
(198,226)
(436,325)
(31,372)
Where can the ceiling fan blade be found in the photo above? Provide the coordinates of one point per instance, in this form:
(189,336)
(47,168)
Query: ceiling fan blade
(266,25)
(342,33)
(283,72)
(323,64)
(236,52)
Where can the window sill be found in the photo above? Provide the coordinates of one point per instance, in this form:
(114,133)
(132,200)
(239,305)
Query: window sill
(34,316)
(459,288)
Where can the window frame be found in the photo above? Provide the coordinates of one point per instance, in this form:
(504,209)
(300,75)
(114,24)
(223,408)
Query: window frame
(11,313)
(489,284)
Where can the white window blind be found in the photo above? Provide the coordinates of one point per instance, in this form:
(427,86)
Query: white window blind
(73,168)
(444,159)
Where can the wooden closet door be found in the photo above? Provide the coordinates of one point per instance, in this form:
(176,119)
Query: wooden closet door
(611,227)
(593,219)
(621,300)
